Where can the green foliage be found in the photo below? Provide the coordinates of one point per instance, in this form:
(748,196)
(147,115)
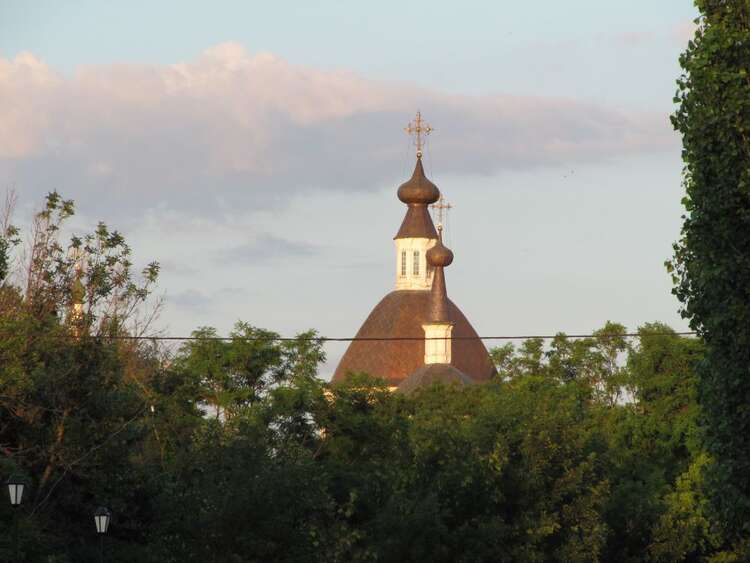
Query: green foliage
(684,529)
(8,239)
(232,374)
(71,406)
(93,270)
(233,450)
(504,481)
(711,264)
(594,361)
(533,467)
(541,465)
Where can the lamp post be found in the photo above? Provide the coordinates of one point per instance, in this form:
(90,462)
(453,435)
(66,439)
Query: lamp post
(16,487)
(102,517)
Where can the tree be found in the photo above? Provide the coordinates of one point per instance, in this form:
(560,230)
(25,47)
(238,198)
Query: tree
(246,482)
(9,237)
(236,372)
(73,402)
(711,263)
(233,450)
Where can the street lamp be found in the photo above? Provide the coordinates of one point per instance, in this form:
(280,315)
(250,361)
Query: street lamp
(16,487)
(102,517)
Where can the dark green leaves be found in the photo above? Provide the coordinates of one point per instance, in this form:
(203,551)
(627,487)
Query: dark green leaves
(711,263)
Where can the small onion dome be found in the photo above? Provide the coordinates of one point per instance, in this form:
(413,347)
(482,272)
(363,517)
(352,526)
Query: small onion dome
(418,189)
(439,256)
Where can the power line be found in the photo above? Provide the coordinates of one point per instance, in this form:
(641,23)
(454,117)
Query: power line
(376,338)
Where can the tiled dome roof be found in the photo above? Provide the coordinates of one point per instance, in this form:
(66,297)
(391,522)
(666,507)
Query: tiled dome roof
(401,314)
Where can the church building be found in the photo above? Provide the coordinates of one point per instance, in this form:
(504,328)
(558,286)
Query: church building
(416,335)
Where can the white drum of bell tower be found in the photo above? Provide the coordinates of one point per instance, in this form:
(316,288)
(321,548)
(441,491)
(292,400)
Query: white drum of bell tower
(412,270)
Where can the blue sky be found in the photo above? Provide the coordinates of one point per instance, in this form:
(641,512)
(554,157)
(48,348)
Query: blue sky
(255,149)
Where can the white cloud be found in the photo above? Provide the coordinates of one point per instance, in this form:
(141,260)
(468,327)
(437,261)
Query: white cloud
(233,130)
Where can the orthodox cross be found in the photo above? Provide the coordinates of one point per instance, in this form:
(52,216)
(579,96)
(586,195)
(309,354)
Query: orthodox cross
(441,210)
(419,129)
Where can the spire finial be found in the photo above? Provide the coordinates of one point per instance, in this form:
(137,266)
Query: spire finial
(441,209)
(420,129)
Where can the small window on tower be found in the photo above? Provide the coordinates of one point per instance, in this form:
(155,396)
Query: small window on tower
(415,270)
(403,263)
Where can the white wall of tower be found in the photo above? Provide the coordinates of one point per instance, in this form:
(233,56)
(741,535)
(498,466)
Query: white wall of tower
(411,263)
(437,343)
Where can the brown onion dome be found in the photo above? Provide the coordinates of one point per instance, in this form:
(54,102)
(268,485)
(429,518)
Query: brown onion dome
(418,189)
(439,256)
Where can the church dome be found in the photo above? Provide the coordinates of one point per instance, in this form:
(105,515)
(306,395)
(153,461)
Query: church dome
(401,315)
(418,189)
(439,255)
(434,373)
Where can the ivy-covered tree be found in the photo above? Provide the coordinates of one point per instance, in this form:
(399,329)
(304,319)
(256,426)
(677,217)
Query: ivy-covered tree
(711,263)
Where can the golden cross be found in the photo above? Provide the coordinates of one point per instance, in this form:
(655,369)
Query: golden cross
(440,207)
(418,128)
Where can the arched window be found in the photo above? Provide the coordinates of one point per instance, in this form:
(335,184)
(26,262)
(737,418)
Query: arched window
(403,263)
(415,268)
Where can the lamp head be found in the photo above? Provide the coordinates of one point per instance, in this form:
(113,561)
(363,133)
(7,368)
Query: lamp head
(16,487)
(102,517)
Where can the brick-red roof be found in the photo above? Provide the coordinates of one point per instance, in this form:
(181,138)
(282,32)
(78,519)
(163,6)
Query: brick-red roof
(401,314)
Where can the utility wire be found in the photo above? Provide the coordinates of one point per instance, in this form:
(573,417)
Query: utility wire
(375,338)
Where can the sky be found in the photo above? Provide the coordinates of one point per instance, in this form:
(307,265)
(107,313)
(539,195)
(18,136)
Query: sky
(254,149)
